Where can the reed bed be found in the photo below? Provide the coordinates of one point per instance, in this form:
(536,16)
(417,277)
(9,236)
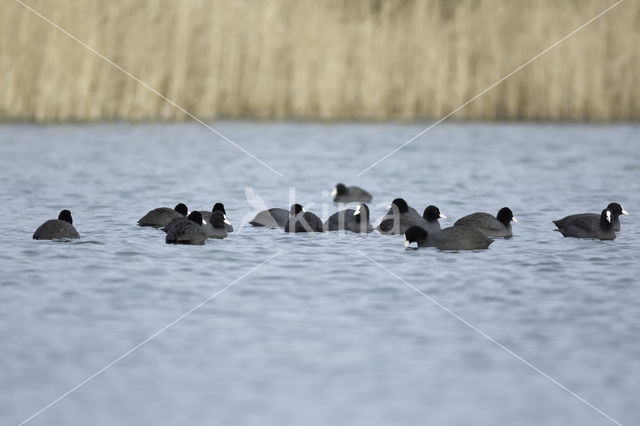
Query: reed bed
(310,59)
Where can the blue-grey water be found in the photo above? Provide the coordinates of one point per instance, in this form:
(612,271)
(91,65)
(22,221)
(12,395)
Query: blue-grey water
(320,334)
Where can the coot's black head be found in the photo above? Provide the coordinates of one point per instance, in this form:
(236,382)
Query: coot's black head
(182,209)
(362,213)
(218,207)
(341,189)
(616,209)
(414,234)
(218,219)
(196,216)
(66,216)
(505,215)
(432,213)
(606,220)
(296,209)
(401,205)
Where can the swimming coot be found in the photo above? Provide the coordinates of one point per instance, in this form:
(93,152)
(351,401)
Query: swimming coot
(175,221)
(584,227)
(187,230)
(350,194)
(451,238)
(302,221)
(399,218)
(593,218)
(163,215)
(57,229)
(431,215)
(498,226)
(217,207)
(216,227)
(272,218)
(350,220)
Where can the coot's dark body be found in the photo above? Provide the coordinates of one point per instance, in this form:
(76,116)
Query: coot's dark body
(399,218)
(490,226)
(161,216)
(216,227)
(301,221)
(272,218)
(188,231)
(217,207)
(57,229)
(193,216)
(451,238)
(350,220)
(350,194)
(592,220)
(585,226)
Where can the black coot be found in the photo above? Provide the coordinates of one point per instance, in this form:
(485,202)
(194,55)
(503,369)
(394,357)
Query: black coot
(272,218)
(593,218)
(431,216)
(350,220)
(302,221)
(187,231)
(583,227)
(498,226)
(57,229)
(163,215)
(350,194)
(451,238)
(399,218)
(216,227)
(217,207)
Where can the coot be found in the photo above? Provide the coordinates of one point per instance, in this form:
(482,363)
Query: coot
(272,218)
(57,229)
(350,194)
(163,215)
(350,220)
(187,231)
(583,227)
(451,238)
(399,218)
(593,218)
(217,207)
(216,227)
(431,215)
(302,221)
(491,226)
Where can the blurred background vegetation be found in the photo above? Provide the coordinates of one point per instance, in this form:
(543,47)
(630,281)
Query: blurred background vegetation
(310,59)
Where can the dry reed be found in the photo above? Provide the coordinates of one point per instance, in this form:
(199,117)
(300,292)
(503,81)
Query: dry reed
(309,59)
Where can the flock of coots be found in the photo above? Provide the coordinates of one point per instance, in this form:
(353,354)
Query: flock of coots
(183,227)
(471,232)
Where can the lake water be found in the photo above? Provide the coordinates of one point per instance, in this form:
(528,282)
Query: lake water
(320,334)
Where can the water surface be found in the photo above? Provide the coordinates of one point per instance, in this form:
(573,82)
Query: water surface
(320,334)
